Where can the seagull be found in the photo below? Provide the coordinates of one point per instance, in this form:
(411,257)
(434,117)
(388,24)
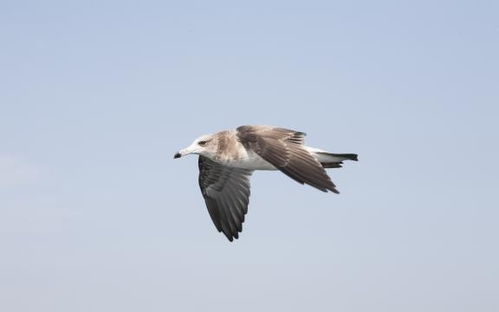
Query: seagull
(228,158)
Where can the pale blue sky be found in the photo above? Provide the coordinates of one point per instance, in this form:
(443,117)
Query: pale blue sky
(96,96)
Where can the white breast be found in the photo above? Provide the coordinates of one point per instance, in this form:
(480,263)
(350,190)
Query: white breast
(249,160)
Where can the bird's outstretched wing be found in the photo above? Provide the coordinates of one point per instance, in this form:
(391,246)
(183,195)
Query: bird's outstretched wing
(226,191)
(284,149)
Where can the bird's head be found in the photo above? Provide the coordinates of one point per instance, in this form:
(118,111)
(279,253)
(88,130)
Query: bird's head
(205,145)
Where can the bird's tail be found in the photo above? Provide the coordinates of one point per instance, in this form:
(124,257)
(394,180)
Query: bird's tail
(331,160)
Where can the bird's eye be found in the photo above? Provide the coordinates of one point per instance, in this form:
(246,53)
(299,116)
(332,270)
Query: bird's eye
(202,143)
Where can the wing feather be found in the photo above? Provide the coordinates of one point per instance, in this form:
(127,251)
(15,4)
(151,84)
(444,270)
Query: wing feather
(226,192)
(284,149)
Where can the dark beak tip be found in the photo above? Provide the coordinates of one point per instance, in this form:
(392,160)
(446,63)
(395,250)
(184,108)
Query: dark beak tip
(177,155)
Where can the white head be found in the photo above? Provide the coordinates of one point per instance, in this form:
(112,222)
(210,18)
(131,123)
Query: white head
(205,145)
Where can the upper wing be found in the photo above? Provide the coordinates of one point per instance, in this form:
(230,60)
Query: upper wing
(283,148)
(226,192)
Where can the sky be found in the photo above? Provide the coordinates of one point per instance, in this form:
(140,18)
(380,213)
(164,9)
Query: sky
(97,96)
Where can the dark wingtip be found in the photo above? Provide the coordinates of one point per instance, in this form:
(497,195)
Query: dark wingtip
(230,237)
(177,155)
(334,190)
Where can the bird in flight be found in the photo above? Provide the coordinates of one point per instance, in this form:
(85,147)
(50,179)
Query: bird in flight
(228,158)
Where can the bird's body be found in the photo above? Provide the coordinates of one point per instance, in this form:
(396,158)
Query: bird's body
(232,153)
(249,160)
(228,158)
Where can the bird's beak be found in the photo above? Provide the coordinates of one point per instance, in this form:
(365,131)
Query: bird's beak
(186,151)
(180,153)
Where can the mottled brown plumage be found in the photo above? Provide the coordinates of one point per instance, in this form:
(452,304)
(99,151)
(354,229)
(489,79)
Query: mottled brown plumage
(228,158)
(283,148)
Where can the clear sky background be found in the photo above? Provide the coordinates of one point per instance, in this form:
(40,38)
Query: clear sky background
(97,96)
